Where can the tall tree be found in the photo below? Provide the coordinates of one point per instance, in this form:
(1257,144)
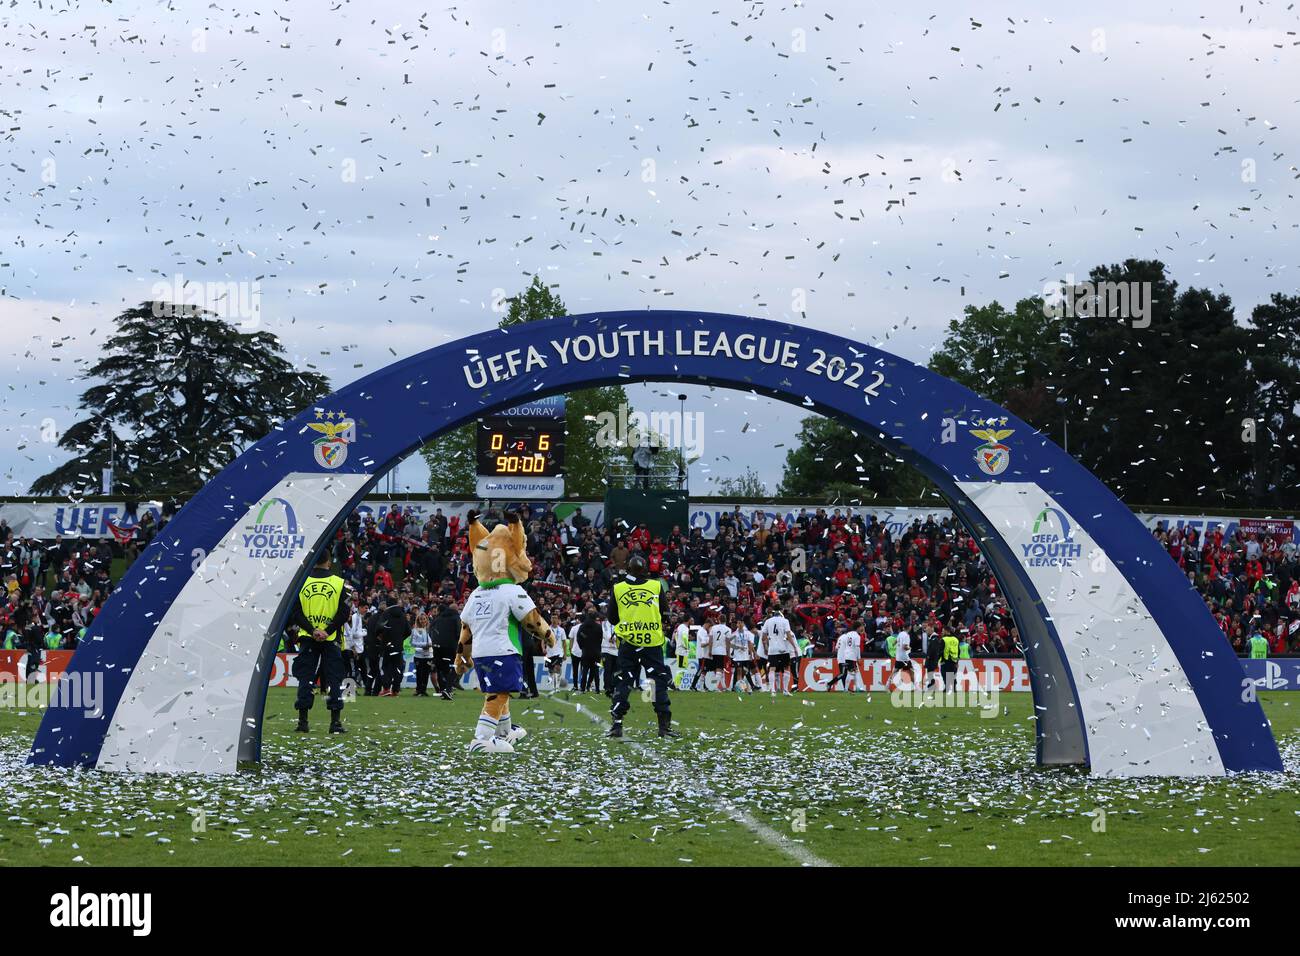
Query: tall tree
(1004,356)
(1156,412)
(830,460)
(451,462)
(451,457)
(748,484)
(1275,361)
(1007,357)
(180,393)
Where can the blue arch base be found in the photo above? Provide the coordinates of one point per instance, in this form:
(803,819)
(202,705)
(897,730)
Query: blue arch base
(1130,675)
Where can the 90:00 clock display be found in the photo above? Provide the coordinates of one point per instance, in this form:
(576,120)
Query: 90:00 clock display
(508,447)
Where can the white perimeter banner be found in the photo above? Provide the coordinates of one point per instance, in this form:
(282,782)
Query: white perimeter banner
(815,674)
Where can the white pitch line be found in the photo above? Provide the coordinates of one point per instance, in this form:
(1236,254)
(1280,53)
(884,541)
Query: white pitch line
(773,838)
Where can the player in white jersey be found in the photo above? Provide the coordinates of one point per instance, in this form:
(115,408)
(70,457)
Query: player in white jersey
(902,657)
(742,656)
(354,652)
(776,639)
(609,656)
(848,651)
(555,654)
(703,655)
(720,638)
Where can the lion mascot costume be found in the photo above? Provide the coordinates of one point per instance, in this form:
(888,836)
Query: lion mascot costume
(490,629)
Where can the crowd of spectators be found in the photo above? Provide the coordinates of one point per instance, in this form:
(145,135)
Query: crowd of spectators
(831,570)
(1250,582)
(53,589)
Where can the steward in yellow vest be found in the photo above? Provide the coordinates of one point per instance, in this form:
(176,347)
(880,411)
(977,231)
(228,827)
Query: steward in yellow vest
(948,661)
(637,616)
(951,649)
(317,620)
(638,619)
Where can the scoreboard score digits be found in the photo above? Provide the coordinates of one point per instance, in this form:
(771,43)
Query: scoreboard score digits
(512,448)
(519,452)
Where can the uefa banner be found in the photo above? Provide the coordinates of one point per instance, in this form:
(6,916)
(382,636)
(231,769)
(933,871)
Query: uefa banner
(47,520)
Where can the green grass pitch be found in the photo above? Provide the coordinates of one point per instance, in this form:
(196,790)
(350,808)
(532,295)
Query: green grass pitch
(845,779)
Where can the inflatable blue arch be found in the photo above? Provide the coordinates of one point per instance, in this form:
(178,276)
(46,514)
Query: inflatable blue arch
(1129,673)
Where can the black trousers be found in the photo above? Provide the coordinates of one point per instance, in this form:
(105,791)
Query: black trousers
(630,661)
(445,667)
(423,667)
(323,659)
(610,663)
(530,672)
(394,669)
(370,665)
(590,674)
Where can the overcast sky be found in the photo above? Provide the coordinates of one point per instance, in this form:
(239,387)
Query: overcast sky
(381,169)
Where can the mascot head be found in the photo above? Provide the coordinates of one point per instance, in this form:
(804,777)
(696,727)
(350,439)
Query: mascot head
(499,553)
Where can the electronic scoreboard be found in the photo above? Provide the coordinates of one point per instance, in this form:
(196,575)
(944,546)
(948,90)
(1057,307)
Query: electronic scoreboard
(515,448)
(520,453)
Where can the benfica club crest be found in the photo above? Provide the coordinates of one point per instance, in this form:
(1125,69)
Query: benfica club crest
(993,457)
(337,431)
